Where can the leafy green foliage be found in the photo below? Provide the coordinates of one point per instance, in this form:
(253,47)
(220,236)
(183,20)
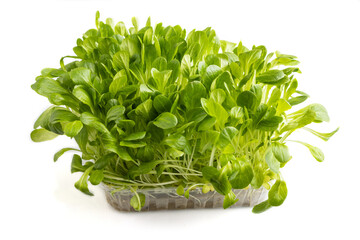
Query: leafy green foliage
(229,200)
(277,193)
(62,151)
(159,107)
(166,120)
(261,207)
(218,180)
(41,135)
(137,201)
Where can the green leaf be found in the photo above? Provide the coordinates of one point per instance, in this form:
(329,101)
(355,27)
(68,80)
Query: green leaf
(219,182)
(192,94)
(225,158)
(123,154)
(270,124)
(62,99)
(143,168)
(291,70)
(248,58)
(176,141)
(162,104)
(280,151)
(196,115)
(126,124)
(283,106)
(213,59)
(272,161)
(76,164)
(206,188)
(118,83)
(62,115)
(214,109)
(225,82)
(62,151)
(247,99)
(300,121)
(41,135)
(260,113)
(174,66)
(137,201)
(321,115)
(277,193)
(81,76)
(96,176)
(72,129)
(80,93)
(82,138)
(274,97)
(211,73)
(241,177)
(135,136)
(132,144)
(43,119)
(47,86)
(103,161)
(226,136)
(80,52)
(146,154)
(227,46)
(311,113)
(323,136)
(92,121)
(89,44)
(292,88)
(185,67)
(82,183)
(106,30)
(206,124)
(180,190)
(297,100)
(284,59)
(174,153)
(218,95)
(97,16)
(121,29)
(315,151)
(229,200)
(135,23)
(271,77)
(184,126)
(161,78)
(246,79)
(166,121)
(261,207)
(237,113)
(144,110)
(258,179)
(121,60)
(115,113)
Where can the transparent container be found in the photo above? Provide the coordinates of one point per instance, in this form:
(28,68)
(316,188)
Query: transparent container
(168,199)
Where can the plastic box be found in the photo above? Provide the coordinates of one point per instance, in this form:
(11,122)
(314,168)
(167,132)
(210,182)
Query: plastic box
(168,199)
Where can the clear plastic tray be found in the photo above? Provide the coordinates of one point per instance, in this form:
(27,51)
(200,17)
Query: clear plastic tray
(168,199)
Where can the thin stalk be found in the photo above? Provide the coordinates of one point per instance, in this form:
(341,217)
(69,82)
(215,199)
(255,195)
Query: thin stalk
(142,184)
(178,174)
(211,161)
(286,135)
(176,166)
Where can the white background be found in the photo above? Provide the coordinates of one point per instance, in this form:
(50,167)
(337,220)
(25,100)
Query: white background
(38,200)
